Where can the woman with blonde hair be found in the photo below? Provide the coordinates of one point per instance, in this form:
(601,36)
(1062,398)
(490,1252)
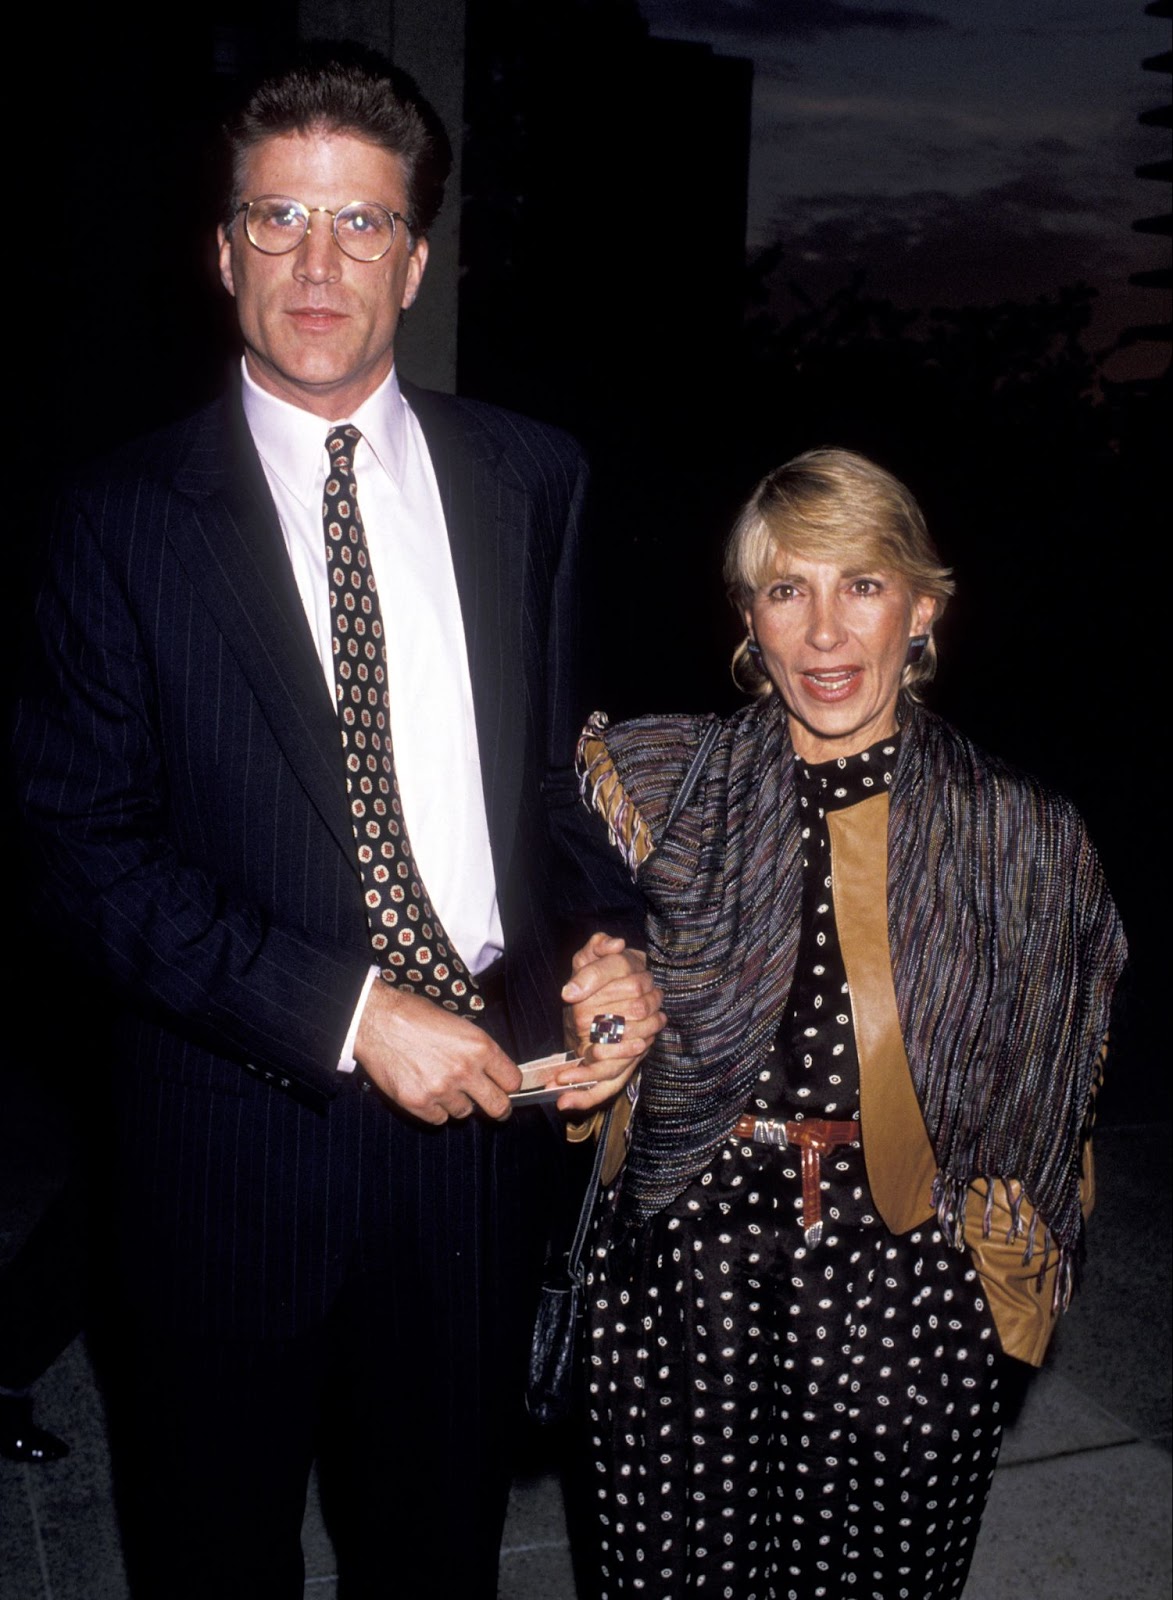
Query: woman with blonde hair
(853,1183)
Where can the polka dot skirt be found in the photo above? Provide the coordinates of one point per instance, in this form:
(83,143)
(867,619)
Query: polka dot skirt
(772,1421)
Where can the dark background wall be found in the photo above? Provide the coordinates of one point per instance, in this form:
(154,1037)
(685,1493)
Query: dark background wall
(607,286)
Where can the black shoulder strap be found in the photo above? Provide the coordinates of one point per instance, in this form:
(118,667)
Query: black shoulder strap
(693,773)
(574,1261)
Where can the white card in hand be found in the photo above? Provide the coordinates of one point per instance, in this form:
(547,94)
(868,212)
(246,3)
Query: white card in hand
(537,1087)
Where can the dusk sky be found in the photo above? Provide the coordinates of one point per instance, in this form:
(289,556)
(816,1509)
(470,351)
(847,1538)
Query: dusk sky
(971,152)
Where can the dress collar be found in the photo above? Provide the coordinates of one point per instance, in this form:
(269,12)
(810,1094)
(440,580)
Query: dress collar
(846,780)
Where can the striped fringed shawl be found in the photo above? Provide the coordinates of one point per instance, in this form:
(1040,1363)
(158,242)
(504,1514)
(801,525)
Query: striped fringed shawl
(1005,944)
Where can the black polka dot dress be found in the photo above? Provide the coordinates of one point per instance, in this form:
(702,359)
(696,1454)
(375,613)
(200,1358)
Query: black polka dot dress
(784,1414)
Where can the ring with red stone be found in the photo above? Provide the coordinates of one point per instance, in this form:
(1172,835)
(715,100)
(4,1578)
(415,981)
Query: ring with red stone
(608,1028)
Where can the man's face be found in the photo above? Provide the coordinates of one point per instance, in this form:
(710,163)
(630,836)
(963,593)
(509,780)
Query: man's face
(319,327)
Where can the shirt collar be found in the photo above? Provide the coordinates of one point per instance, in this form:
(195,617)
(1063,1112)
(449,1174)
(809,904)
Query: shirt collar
(292,442)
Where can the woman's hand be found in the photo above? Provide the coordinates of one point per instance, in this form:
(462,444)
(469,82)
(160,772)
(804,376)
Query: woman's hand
(608,980)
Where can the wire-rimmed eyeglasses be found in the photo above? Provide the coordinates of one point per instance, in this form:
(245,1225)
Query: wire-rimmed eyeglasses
(363,230)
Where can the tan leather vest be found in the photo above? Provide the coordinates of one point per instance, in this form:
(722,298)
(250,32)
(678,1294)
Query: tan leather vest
(898,1154)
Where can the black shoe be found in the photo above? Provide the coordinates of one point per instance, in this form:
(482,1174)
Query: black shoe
(20,1438)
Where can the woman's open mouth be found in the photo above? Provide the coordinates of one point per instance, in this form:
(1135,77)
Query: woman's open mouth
(832,683)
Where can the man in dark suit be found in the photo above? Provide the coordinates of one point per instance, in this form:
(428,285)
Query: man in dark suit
(330,957)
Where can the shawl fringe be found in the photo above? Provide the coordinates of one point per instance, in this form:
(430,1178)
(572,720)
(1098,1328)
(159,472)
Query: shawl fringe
(602,791)
(949,1200)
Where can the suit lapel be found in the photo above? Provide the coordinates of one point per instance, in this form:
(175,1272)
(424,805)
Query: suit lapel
(229,541)
(487,521)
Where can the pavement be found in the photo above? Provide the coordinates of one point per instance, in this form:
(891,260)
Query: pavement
(1081,1500)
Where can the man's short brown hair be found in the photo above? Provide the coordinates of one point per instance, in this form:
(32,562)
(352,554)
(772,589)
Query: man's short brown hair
(341,88)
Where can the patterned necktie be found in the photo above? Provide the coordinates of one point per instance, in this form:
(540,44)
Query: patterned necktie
(412,947)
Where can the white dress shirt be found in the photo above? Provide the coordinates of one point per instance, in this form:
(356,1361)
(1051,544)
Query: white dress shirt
(437,762)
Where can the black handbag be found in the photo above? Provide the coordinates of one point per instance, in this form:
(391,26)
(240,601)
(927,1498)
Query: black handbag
(553,1356)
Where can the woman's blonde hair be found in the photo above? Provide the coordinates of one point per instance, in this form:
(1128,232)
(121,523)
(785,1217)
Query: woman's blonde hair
(833,505)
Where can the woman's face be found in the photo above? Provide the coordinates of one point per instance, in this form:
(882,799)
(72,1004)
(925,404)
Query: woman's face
(834,640)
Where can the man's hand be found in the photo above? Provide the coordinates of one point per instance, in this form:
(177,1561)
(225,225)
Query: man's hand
(608,977)
(431,1063)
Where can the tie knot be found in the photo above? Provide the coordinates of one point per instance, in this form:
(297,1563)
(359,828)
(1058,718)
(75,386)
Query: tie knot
(340,447)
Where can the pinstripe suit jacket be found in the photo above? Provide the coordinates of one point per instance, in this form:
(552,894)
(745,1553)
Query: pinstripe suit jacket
(182,780)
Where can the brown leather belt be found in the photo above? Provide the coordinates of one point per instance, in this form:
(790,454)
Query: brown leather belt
(815,1139)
